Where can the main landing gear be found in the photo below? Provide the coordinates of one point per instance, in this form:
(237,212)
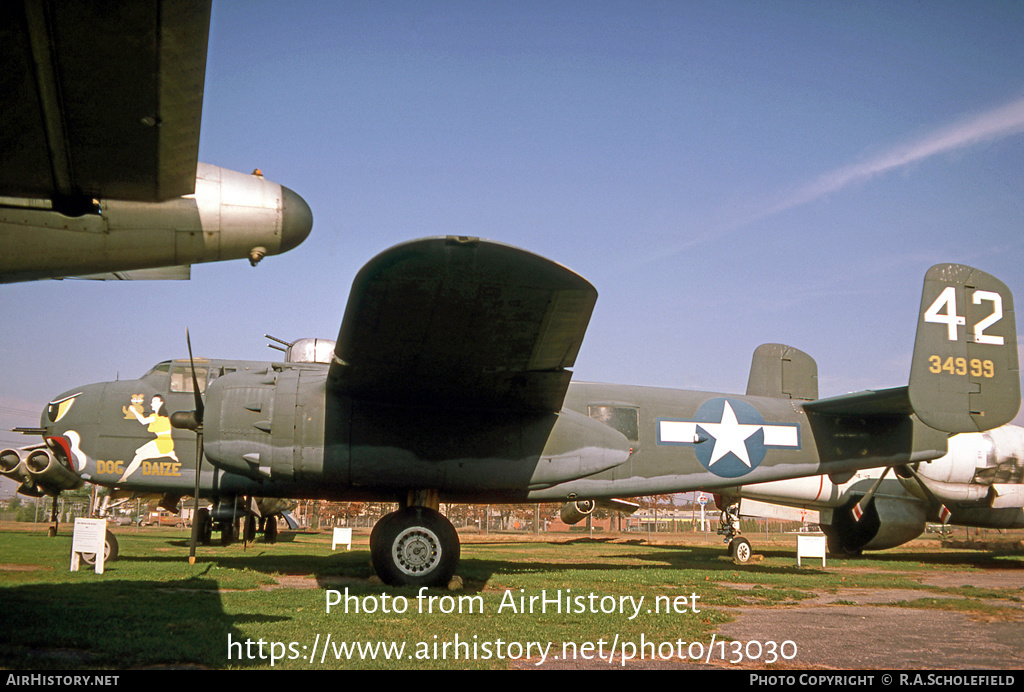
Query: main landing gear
(729,527)
(415,546)
(234,523)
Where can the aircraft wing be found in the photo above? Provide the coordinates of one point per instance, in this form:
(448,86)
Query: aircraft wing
(101,99)
(462,323)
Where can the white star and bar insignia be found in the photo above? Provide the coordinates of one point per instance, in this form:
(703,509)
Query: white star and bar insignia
(741,436)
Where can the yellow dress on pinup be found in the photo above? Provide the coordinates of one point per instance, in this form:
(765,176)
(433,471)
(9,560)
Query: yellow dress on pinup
(161,427)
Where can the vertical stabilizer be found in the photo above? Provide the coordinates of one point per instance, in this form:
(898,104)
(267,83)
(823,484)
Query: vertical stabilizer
(965,375)
(782,372)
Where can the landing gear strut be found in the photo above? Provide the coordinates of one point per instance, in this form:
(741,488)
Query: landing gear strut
(729,527)
(415,546)
(52,531)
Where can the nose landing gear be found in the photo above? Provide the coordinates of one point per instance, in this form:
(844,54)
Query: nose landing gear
(729,527)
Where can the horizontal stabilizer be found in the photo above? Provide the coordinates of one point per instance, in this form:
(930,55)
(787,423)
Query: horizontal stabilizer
(964,378)
(883,402)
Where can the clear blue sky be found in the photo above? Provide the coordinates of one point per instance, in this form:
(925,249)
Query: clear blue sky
(726,174)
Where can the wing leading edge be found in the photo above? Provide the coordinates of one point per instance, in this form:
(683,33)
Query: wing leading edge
(462,323)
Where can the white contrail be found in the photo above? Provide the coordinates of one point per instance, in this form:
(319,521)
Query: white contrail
(998,123)
(1001,122)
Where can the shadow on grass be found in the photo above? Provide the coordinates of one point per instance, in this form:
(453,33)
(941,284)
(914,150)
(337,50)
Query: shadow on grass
(118,624)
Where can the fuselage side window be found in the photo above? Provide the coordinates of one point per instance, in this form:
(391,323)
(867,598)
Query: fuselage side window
(625,419)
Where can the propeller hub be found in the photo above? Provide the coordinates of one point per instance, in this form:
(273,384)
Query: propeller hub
(185,420)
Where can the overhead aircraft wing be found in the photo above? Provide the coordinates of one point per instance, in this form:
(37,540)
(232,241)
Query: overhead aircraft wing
(182,273)
(101,99)
(462,323)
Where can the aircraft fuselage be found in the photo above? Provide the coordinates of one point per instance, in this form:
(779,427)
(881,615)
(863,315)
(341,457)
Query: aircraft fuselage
(276,430)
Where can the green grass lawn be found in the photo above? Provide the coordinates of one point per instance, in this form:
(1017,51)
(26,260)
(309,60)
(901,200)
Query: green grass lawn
(523,598)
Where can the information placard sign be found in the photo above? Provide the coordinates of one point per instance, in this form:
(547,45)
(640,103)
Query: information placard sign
(90,537)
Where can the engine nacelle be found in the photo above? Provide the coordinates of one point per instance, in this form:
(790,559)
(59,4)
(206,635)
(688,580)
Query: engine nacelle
(284,425)
(996,456)
(887,522)
(575,512)
(980,468)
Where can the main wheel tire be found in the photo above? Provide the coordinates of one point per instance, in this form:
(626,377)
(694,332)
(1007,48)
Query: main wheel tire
(110,550)
(414,546)
(228,532)
(741,550)
(270,530)
(250,529)
(205,526)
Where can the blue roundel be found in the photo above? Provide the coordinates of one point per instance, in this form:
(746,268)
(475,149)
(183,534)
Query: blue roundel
(735,437)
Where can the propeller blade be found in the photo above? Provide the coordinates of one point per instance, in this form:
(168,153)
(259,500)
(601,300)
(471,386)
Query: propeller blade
(195,381)
(195,497)
(861,507)
(944,514)
(198,427)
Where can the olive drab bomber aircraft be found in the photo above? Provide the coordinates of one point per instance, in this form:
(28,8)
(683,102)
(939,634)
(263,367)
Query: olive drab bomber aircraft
(450,382)
(99,170)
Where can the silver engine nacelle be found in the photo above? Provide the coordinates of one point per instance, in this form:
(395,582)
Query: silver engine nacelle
(575,512)
(985,469)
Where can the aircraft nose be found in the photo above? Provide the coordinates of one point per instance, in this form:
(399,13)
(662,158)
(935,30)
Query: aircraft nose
(296,219)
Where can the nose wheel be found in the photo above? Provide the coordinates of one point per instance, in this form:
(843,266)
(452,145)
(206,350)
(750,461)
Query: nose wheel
(729,527)
(740,550)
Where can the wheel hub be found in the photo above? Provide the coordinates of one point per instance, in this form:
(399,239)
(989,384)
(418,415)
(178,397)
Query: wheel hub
(417,550)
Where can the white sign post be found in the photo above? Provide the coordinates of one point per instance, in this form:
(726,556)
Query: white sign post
(90,537)
(342,537)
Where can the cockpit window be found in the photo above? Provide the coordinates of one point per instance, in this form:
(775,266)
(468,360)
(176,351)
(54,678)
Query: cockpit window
(181,377)
(625,419)
(159,368)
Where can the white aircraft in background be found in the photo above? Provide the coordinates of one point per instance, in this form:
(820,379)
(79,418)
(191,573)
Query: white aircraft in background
(979,482)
